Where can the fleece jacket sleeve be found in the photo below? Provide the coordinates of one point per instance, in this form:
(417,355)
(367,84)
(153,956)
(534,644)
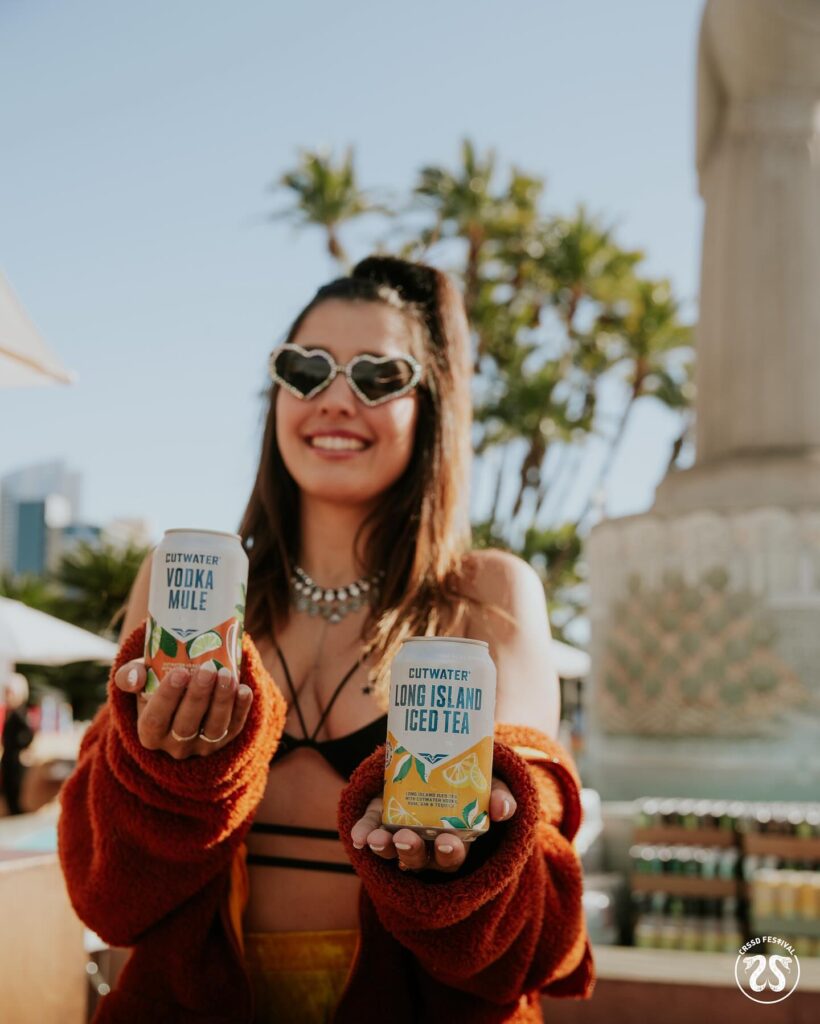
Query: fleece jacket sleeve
(510,922)
(141,832)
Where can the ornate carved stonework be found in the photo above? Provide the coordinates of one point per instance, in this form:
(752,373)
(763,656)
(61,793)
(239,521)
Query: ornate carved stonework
(695,661)
(697,623)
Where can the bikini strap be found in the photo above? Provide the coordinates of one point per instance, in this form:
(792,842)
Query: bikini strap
(292,689)
(265,860)
(332,700)
(311,740)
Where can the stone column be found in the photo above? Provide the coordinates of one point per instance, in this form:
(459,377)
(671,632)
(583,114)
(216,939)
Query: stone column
(758,334)
(706,611)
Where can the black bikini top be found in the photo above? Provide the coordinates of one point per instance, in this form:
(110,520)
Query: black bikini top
(344,753)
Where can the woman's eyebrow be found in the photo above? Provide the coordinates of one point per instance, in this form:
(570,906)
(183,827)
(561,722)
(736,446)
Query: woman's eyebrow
(361,352)
(368,352)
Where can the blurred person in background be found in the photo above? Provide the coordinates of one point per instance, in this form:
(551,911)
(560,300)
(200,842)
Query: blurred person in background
(17,735)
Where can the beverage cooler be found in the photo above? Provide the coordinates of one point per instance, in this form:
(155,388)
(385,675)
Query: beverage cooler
(674,888)
(710,874)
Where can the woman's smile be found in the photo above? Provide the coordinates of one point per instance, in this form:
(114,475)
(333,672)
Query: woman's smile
(335,445)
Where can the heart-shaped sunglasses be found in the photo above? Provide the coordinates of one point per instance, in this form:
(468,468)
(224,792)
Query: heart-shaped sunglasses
(373,379)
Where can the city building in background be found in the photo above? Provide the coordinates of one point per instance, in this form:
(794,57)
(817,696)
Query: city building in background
(36,504)
(40,521)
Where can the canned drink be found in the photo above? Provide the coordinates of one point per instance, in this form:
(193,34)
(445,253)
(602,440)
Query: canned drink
(686,811)
(440,726)
(668,810)
(196,603)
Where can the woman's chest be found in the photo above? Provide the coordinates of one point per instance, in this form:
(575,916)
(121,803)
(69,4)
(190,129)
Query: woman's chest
(323,674)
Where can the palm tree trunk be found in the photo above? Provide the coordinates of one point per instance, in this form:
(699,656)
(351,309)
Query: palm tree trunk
(678,444)
(334,247)
(499,480)
(532,460)
(548,483)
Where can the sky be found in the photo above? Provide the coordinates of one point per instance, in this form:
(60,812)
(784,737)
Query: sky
(139,146)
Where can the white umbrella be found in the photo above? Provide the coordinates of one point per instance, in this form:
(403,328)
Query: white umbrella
(570,663)
(25,359)
(32,637)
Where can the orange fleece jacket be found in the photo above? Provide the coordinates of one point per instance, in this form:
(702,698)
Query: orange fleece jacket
(152,852)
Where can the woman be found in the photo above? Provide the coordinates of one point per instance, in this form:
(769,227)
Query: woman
(17,735)
(362,484)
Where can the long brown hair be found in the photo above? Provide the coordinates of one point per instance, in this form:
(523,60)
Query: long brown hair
(420,530)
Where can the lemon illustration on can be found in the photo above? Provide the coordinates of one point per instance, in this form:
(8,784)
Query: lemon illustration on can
(399,815)
(156,634)
(204,643)
(465,772)
(151,681)
(232,646)
(478,779)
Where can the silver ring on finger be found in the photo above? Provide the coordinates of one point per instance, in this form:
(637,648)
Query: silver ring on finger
(208,739)
(183,739)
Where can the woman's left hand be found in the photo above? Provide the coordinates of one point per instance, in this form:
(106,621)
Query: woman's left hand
(447,853)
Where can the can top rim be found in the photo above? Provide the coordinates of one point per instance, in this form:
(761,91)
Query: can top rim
(448,639)
(216,533)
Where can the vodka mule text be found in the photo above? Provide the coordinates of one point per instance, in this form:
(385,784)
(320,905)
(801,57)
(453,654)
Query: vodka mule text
(440,726)
(196,603)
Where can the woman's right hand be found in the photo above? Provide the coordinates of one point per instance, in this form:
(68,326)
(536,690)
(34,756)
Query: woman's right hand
(185,706)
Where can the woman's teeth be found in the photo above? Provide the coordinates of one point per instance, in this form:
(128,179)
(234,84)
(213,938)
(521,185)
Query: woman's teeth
(337,443)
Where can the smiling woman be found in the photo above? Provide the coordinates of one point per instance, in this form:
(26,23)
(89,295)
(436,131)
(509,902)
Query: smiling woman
(364,416)
(358,538)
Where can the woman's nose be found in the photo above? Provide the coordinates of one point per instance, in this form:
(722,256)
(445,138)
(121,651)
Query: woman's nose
(338,395)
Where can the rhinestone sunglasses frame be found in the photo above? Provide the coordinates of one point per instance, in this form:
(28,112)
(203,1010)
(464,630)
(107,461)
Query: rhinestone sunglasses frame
(346,369)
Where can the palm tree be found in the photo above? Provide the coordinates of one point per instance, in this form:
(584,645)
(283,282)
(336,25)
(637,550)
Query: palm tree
(656,354)
(327,196)
(95,580)
(557,308)
(35,591)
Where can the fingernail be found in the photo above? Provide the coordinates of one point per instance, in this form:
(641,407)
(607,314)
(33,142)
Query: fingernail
(506,811)
(205,677)
(445,849)
(403,846)
(244,692)
(179,677)
(378,849)
(224,678)
(132,676)
(358,846)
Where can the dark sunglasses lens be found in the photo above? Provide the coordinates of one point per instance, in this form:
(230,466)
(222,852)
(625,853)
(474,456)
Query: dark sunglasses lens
(305,373)
(379,380)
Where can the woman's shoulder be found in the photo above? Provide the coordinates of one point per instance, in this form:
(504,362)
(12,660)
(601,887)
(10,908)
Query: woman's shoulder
(511,617)
(498,577)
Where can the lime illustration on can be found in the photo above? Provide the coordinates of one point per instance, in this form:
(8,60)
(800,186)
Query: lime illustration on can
(440,727)
(196,603)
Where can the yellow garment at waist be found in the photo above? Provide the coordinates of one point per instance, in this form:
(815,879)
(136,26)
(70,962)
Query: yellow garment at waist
(298,977)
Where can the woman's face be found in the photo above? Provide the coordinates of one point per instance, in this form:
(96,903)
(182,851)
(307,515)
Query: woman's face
(386,432)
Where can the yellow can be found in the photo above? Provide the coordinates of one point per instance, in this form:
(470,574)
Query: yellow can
(440,727)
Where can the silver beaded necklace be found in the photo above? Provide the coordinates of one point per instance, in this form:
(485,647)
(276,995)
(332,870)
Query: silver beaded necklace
(332,603)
